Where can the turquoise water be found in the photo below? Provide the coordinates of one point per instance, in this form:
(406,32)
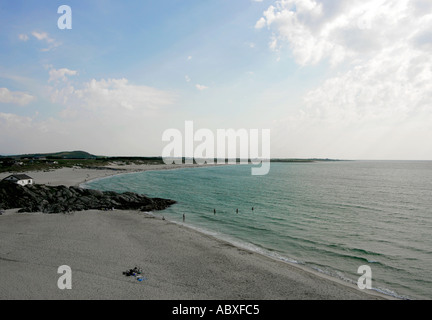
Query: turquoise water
(329,216)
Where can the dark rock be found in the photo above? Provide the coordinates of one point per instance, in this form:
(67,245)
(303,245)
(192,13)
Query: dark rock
(61,199)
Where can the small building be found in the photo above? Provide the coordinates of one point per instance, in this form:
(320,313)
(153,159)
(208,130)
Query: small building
(21,179)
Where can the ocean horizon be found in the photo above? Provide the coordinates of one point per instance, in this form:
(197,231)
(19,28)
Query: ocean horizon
(330,217)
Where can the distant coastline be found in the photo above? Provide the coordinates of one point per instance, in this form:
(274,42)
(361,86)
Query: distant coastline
(85,160)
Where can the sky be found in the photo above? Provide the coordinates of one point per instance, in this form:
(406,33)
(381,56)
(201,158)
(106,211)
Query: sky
(342,79)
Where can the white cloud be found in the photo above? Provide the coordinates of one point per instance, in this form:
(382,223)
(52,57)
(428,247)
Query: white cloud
(187,78)
(317,29)
(107,116)
(382,88)
(12,121)
(60,74)
(120,93)
(43,36)
(261,23)
(23,37)
(389,55)
(111,94)
(201,87)
(15,97)
(380,83)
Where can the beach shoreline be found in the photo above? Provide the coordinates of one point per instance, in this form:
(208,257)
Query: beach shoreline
(75,176)
(179,262)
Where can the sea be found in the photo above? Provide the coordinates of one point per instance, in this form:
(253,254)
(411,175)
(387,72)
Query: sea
(330,217)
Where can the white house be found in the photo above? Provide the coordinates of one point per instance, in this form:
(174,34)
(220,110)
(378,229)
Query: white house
(21,179)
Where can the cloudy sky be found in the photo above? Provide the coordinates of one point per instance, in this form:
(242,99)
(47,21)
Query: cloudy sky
(348,79)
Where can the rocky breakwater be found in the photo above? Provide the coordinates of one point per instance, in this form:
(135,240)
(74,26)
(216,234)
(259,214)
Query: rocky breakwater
(61,199)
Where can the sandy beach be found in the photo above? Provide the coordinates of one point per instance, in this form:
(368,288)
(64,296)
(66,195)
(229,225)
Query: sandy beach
(178,263)
(76,176)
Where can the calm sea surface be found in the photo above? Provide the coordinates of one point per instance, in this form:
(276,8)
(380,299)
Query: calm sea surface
(329,216)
